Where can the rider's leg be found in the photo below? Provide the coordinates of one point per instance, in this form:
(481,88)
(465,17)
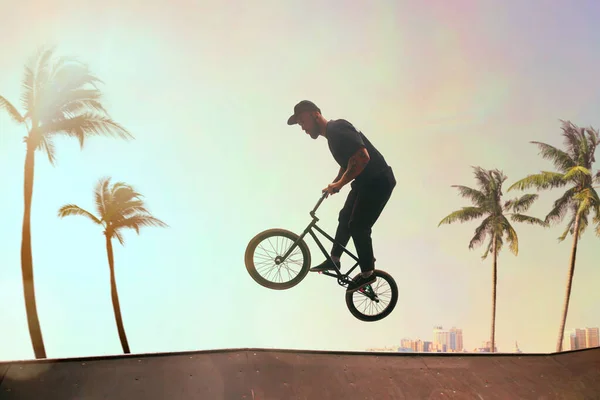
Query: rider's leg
(369,205)
(342,234)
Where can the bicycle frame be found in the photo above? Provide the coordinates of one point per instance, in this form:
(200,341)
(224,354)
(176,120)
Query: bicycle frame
(309,230)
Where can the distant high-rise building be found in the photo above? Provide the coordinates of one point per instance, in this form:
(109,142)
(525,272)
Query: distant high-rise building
(427,346)
(573,341)
(406,343)
(580,335)
(578,339)
(591,337)
(447,341)
(456,339)
(438,338)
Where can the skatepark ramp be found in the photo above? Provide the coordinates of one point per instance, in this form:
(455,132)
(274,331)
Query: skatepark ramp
(261,374)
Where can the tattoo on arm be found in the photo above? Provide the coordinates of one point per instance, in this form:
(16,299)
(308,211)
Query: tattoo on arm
(339,175)
(356,164)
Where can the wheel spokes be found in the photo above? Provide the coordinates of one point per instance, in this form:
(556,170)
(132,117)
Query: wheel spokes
(265,260)
(362,297)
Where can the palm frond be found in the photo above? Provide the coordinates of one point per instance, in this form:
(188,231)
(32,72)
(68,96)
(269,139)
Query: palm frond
(499,243)
(121,210)
(561,160)
(463,215)
(102,195)
(47,146)
(584,148)
(72,209)
(481,232)
(13,113)
(513,239)
(43,69)
(568,229)
(35,79)
(123,201)
(528,219)
(474,195)
(521,204)
(482,177)
(138,221)
(122,192)
(67,87)
(119,237)
(583,222)
(488,249)
(571,139)
(87,124)
(497,234)
(591,194)
(28,91)
(543,180)
(73,103)
(577,174)
(561,206)
(587,198)
(594,142)
(72,75)
(576,210)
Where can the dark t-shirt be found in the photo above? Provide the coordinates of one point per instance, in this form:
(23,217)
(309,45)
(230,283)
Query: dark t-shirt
(344,140)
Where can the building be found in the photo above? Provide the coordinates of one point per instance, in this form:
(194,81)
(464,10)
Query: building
(591,337)
(584,338)
(447,341)
(456,339)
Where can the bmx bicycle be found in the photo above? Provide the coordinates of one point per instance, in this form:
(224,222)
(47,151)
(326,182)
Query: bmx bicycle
(278,255)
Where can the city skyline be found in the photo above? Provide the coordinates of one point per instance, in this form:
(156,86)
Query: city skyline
(451,340)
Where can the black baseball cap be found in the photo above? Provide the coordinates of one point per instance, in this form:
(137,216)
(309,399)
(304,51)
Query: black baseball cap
(304,105)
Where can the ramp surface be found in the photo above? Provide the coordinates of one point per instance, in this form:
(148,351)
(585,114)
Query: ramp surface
(259,374)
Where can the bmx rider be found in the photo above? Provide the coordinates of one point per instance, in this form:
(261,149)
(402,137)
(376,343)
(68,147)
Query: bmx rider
(372,185)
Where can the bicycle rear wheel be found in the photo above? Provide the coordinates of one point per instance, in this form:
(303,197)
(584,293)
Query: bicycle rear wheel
(262,259)
(377,299)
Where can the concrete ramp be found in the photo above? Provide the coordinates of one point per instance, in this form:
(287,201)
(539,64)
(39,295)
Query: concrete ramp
(259,374)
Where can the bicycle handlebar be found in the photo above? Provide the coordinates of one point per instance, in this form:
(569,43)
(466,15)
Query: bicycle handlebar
(323,195)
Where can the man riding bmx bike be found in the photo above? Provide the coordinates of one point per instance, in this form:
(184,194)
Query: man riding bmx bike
(372,185)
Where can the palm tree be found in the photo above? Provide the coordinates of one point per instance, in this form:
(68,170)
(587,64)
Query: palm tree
(574,168)
(488,203)
(119,207)
(60,97)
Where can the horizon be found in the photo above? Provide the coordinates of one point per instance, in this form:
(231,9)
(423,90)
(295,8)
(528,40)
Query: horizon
(206,93)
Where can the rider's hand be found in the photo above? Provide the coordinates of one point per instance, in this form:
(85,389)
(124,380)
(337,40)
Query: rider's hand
(332,188)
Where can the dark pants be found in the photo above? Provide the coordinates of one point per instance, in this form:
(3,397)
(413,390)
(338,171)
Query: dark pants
(360,212)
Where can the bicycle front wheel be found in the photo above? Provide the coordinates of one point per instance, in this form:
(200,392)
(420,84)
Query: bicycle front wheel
(264,263)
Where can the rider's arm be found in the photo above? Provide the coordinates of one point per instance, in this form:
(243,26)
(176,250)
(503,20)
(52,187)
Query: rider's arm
(356,164)
(339,175)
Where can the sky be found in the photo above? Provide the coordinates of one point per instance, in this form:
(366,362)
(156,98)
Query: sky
(206,89)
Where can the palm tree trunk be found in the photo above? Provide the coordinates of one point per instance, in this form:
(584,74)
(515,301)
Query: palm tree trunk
(494,281)
(33,322)
(115,296)
(563,320)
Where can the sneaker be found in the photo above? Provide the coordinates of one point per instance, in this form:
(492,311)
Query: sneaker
(326,265)
(359,282)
